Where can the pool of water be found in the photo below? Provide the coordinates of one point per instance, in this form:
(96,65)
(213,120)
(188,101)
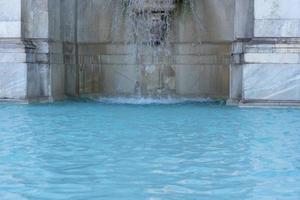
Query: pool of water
(185,151)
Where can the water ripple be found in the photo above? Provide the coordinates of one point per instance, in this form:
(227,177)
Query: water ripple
(87,150)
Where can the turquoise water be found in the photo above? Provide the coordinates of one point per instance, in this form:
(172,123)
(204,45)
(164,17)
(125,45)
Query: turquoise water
(87,150)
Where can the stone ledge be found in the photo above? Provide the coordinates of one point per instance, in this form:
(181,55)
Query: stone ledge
(131,59)
(277,104)
(178,48)
(274,58)
(267,51)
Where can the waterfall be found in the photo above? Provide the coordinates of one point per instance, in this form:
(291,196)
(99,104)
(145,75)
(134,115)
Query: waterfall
(148,22)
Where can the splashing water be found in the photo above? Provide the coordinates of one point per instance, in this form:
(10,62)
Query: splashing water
(148,22)
(147,26)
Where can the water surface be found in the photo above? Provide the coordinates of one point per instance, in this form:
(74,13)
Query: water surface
(185,151)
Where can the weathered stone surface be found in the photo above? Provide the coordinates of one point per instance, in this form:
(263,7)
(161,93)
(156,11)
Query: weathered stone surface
(119,80)
(35,17)
(38,81)
(236,82)
(244,19)
(203,81)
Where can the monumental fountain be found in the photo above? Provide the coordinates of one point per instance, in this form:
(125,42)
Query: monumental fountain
(245,51)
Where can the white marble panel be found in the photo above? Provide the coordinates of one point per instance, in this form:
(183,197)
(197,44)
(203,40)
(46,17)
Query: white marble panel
(10,10)
(10,18)
(271,82)
(280,58)
(277,9)
(277,18)
(277,27)
(10,29)
(13,80)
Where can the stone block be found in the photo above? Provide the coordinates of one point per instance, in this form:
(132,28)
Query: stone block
(236,81)
(57,81)
(120,79)
(202,81)
(277,9)
(38,81)
(13,81)
(35,19)
(10,10)
(244,19)
(10,29)
(71,79)
(277,28)
(276,58)
(118,59)
(201,59)
(273,82)
(202,49)
(90,79)
(12,57)
(277,18)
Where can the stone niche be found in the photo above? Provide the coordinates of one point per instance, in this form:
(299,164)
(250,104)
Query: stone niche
(197,63)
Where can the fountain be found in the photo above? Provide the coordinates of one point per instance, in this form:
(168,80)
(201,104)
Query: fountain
(147,48)
(148,24)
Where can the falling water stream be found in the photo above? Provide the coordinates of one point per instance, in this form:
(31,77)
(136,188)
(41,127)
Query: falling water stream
(148,22)
(148,26)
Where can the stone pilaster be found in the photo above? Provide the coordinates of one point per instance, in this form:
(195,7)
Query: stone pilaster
(265,68)
(31,53)
(42,36)
(13,67)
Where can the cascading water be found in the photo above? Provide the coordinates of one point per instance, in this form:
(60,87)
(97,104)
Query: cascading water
(148,23)
(148,26)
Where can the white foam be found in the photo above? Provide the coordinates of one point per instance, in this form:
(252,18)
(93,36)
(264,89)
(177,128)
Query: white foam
(149,101)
